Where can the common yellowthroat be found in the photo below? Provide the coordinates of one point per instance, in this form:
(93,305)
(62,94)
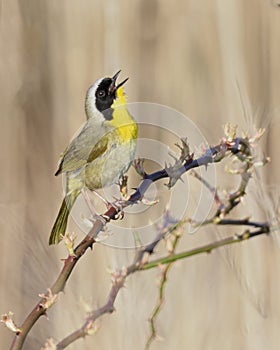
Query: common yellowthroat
(103,150)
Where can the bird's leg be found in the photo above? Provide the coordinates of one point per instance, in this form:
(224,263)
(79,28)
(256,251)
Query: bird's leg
(117,204)
(91,207)
(88,201)
(102,198)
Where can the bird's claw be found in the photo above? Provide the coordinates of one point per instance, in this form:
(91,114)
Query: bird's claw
(118,205)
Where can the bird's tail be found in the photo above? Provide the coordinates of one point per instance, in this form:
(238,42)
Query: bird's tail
(60,224)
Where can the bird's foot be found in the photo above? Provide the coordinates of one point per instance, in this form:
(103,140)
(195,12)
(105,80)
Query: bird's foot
(118,204)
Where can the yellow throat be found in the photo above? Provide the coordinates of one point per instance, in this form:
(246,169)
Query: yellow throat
(122,119)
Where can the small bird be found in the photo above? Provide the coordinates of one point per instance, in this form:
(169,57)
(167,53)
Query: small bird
(103,150)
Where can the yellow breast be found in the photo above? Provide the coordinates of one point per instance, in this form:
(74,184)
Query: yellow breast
(122,120)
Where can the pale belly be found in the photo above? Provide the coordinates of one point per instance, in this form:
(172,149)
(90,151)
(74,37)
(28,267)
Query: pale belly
(107,170)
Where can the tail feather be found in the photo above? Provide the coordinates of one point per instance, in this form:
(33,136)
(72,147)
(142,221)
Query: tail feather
(60,224)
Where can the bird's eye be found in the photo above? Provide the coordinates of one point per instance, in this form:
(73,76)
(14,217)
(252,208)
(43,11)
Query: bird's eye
(101,93)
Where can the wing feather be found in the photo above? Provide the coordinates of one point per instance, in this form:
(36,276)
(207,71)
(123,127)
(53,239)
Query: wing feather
(90,144)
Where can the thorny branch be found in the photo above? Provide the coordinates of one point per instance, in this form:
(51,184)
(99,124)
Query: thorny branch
(141,263)
(171,243)
(230,145)
(208,248)
(118,281)
(165,264)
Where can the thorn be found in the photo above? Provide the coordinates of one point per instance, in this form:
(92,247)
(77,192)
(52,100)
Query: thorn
(9,323)
(148,202)
(49,344)
(48,299)
(69,241)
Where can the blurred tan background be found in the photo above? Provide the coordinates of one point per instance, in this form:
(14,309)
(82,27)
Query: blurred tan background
(191,55)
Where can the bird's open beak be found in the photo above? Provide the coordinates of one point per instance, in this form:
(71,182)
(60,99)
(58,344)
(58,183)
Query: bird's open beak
(113,87)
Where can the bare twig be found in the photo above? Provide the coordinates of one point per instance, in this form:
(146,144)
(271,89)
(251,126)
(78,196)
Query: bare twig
(234,198)
(211,188)
(207,248)
(161,291)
